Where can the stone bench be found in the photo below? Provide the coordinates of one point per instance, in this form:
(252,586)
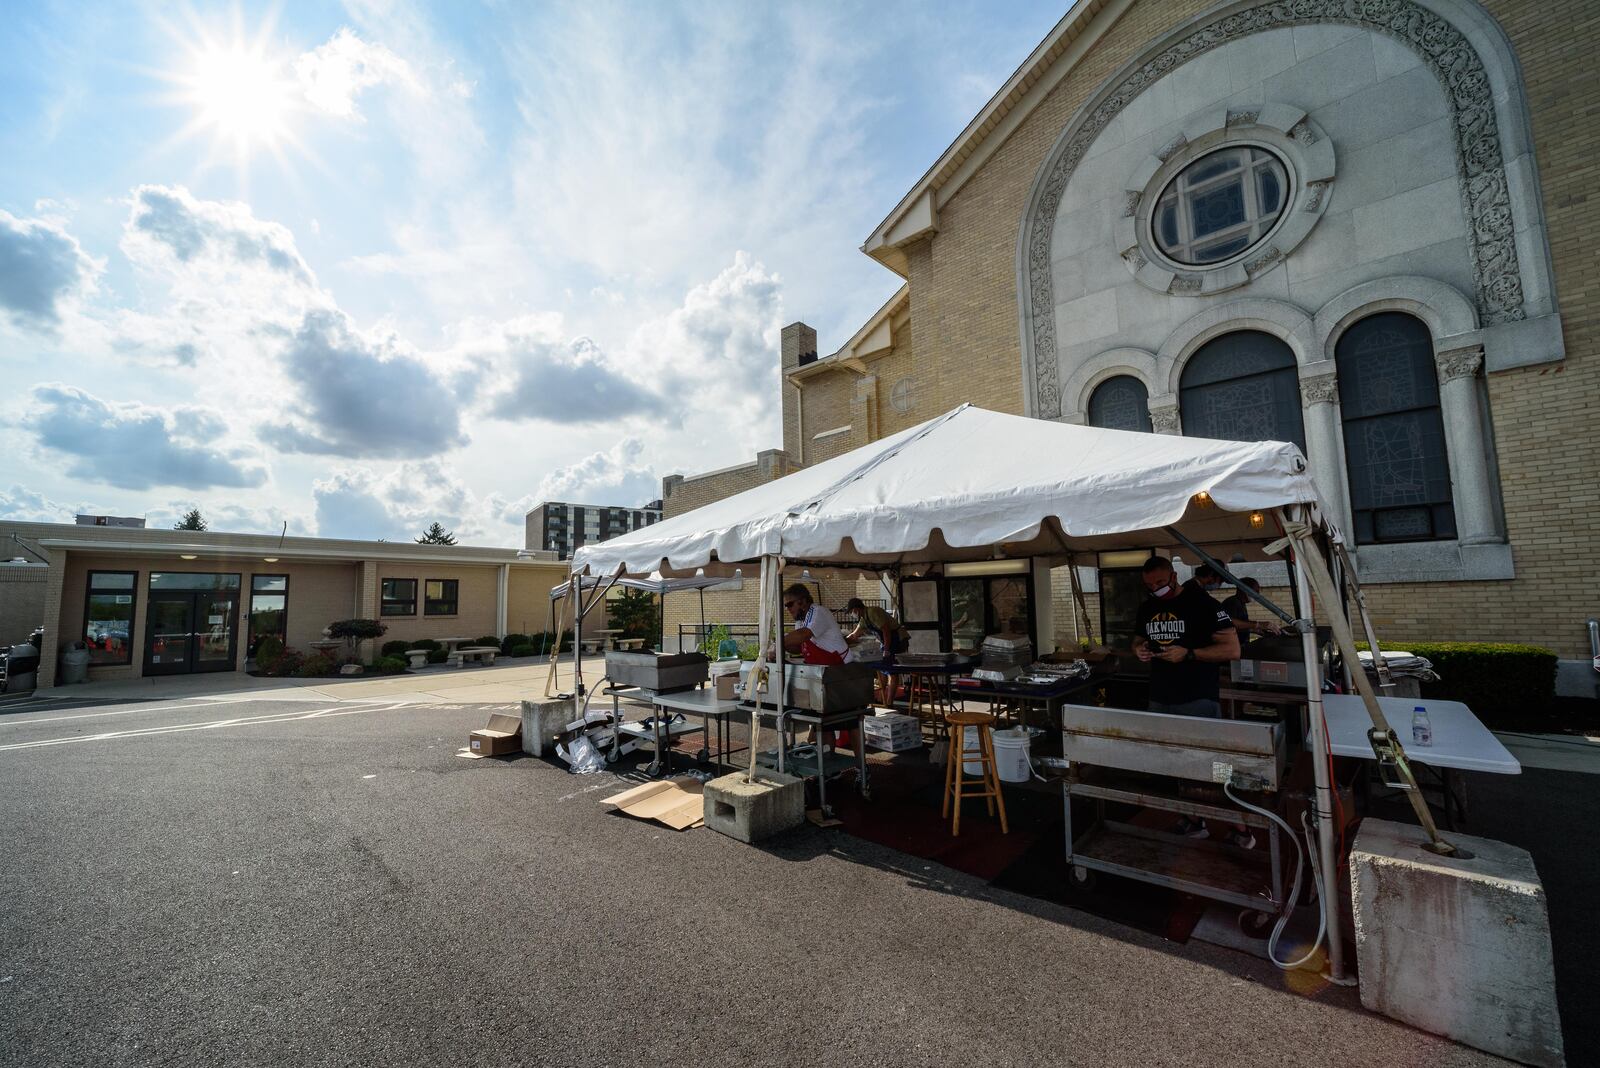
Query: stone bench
(418,657)
(480,654)
(593,645)
(630,644)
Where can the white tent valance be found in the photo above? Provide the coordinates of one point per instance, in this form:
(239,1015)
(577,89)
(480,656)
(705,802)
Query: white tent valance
(973,483)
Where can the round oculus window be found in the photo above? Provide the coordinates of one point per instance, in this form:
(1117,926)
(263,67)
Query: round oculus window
(1220,205)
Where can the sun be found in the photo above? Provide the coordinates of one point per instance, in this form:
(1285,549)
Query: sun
(242,95)
(239,90)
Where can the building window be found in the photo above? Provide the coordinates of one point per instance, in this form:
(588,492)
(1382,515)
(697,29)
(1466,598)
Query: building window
(1394,445)
(398,597)
(440,596)
(1120,403)
(269,610)
(1220,205)
(108,617)
(1242,387)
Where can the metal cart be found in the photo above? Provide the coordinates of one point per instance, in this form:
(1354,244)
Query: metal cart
(1140,759)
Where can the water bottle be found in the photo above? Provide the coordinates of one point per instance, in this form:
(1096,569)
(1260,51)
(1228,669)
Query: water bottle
(1421,729)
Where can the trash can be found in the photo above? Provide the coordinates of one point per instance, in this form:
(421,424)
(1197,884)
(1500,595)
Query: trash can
(74,663)
(19,668)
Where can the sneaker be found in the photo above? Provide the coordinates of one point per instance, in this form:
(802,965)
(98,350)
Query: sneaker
(1190,828)
(1242,839)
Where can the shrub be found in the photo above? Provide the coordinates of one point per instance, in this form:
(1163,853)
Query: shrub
(284,664)
(425,643)
(525,649)
(511,641)
(490,640)
(708,644)
(315,667)
(1507,685)
(269,649)
(388,665)
(395,648)
(437,656)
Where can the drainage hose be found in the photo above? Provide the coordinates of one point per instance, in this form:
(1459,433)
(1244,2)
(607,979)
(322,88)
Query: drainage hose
(1302,855)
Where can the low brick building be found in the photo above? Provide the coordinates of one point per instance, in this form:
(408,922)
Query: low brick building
(153,602)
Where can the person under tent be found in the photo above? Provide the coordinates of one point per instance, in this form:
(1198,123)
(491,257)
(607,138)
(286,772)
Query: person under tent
(816,636)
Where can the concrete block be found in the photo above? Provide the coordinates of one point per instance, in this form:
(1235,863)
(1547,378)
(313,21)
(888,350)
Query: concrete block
(1459,947)
(542,724)
(751,811)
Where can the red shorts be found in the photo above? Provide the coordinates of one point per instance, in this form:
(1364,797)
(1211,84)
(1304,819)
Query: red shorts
(815,654)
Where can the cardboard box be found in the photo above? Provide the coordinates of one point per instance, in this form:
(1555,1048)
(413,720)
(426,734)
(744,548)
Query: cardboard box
(502,737)
(727,686)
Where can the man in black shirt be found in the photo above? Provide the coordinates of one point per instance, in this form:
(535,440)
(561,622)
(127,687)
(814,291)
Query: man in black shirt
(1185,636)
(1238,609)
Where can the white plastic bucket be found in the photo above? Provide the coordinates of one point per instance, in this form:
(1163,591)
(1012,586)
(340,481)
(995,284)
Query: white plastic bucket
(1011,755)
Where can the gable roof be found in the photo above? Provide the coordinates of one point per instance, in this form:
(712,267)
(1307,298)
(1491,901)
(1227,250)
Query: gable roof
(917,214)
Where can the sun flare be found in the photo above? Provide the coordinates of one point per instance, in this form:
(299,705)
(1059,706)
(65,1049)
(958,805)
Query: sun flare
(242,95)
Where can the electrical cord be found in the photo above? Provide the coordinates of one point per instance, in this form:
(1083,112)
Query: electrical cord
(1302,855)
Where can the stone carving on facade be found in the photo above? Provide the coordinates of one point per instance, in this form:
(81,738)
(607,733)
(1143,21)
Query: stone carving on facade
(1164,420)
(1130,202)
(1166,151)
(1443,48)
(1134,258)
(1459,363)
(1185,283)
(1302,132)
(1270,255)
(1314,194)
(1319,389)
(1243,116)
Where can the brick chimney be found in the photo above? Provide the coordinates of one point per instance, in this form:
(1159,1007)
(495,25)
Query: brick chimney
(799,345)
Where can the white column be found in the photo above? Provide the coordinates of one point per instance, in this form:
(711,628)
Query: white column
(1320,397)
(1465,436)
(502,589)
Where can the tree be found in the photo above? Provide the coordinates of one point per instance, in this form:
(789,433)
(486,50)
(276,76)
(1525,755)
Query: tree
(437,535)
(355,631)
(636,614)
(192,520)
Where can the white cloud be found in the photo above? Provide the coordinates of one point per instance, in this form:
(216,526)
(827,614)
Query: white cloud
(42,270)
(620,475)
(333,74)
(361,396)
(232,516)
(134,446)
(23,505)
(357,502)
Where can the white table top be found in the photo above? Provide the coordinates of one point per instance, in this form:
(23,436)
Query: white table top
(700,702)
(1460,740)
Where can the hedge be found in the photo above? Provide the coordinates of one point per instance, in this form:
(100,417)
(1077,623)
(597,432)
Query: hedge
(1506,685)
(395,648)
(511,641)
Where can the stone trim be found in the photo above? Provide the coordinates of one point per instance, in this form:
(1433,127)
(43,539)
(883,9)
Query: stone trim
(1164,419)
(1459,363)
(1444,49)
(1319,389)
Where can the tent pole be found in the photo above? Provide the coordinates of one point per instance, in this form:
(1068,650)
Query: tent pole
(1385,682)
(1222,569)
(1327,833)
(1078,599)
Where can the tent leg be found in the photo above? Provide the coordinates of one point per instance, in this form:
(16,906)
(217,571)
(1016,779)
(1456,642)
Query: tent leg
(1385,682)
(1327,848)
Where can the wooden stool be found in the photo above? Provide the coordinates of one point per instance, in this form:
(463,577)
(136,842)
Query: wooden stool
(955,779)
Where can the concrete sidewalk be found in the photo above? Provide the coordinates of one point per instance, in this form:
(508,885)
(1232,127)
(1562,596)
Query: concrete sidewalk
(501,683)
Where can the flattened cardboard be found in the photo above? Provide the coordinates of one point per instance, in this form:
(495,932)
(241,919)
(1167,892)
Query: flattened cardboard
(675,803)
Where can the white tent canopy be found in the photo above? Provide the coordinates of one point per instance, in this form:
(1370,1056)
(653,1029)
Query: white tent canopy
(652,583)
(972,484)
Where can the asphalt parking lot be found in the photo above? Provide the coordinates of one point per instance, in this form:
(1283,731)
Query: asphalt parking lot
(274,882)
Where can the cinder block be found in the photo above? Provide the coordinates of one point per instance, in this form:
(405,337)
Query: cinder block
(1459,947)
(542,724)
(751,811)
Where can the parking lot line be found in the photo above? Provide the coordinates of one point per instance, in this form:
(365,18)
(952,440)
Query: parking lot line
(179,728)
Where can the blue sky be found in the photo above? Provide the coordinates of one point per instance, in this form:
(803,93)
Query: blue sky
(357,267)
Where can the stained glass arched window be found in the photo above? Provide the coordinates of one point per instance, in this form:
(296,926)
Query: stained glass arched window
(1120,403)
(1242,387)
(1394,444)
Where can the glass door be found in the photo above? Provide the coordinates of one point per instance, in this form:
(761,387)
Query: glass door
(169,631)
(214,638)
(190,631)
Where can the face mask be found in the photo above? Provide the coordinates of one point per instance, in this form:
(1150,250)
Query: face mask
(1162,592)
